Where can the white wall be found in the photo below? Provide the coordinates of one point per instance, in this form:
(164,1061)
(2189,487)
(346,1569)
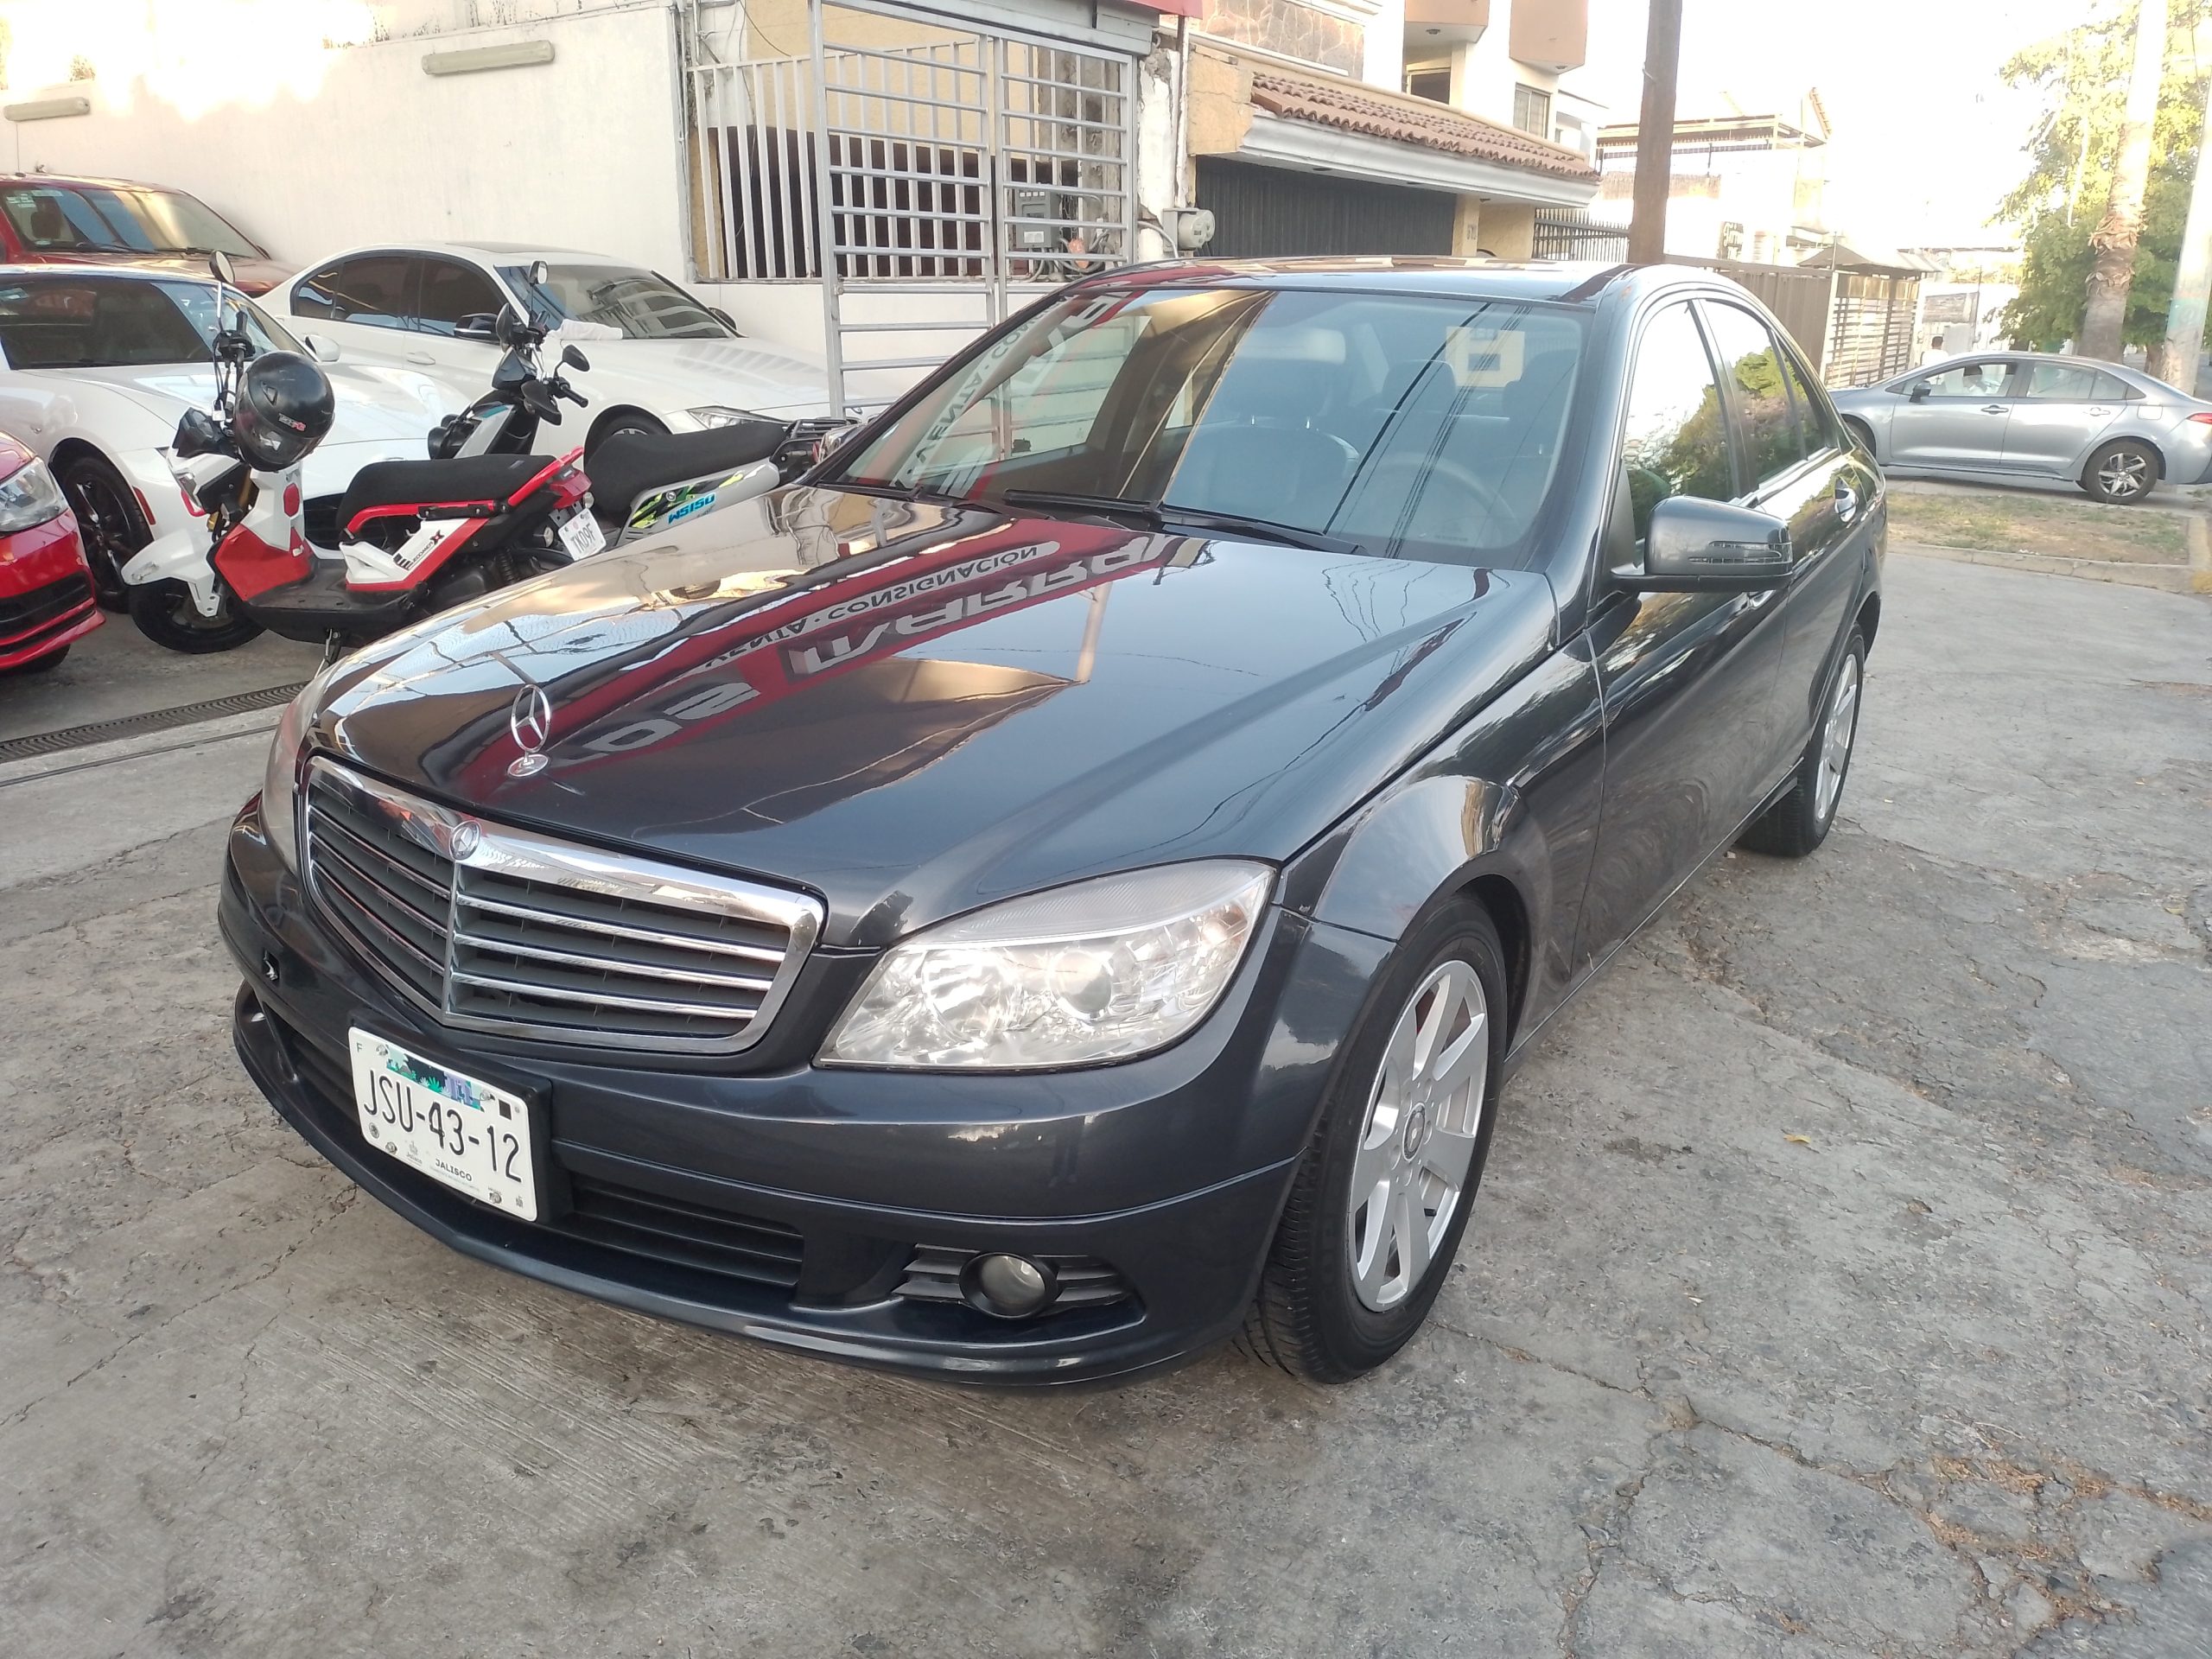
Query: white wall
(360,144)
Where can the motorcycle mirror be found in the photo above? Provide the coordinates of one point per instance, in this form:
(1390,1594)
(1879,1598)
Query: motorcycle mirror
(574,359)
(540,273)
(219,263)
(506,327)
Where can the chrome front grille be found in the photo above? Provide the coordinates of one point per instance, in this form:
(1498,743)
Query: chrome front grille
(490,928)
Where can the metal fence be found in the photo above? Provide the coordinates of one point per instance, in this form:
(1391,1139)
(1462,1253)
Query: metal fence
(1570,233)
(903,157)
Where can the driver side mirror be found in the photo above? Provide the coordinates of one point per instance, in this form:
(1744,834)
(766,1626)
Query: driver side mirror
(1695,546)
(477,325)
(323,350)
(723,318)
(1922,390)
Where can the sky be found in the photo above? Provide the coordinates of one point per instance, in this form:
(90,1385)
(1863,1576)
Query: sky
(1926,137)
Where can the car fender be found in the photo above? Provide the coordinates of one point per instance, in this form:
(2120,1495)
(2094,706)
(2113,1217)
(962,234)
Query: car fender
(1512,795)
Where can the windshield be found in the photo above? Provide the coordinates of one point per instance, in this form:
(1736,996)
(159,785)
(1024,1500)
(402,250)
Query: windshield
(106,322)
(633,304)
(101,218)
(1420,427)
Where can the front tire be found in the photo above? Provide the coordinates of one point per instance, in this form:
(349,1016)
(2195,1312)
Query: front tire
(108,521)
(2122,473)
(1380,1201)
(1801,820)
(164,612)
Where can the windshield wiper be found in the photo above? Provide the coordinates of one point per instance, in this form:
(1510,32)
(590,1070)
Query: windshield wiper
(1159,514)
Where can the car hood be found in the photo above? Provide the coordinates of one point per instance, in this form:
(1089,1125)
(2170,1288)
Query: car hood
(693,373)
(913,709)
(373,404)
(254,276)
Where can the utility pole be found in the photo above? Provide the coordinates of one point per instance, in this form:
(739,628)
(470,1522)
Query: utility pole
(2121,228)
(1654,134)
(2193,277)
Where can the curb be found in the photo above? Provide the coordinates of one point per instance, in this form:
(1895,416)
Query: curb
(2200,554)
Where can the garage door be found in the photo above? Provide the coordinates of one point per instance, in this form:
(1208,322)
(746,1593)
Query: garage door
(1268,212)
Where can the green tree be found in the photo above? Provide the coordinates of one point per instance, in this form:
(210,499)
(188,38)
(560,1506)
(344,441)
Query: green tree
(2083,73)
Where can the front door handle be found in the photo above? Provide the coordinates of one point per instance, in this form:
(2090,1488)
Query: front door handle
(423,358)
(1846,501)
(1992,408)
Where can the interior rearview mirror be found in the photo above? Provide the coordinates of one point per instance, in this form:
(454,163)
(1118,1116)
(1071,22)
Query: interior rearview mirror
(1922,389)
(576,359)
(1697,546)
(218,263)
(323,350)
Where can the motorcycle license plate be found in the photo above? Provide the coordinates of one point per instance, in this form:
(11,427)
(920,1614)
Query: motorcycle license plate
(582,536)
(473,1137)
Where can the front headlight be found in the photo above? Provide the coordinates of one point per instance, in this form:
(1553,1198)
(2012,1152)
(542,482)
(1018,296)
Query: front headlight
(280,785)
(29,496)
(721,414)
(1103,969)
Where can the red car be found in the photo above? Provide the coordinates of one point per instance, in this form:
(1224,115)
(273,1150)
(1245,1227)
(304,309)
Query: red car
(45,219)
(46,589)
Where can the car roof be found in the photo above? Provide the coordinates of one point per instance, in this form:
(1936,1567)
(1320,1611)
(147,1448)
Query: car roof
(1566,281)
(504,253)
(17,177)
(62,271)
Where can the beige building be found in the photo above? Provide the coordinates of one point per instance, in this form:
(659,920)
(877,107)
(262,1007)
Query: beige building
(1744,182)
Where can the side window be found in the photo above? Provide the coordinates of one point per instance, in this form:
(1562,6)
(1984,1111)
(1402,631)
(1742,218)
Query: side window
(1677,439)
(2111,389)
(2062,383)
(1766,423)
(373,290)
(1816,420)
(1982,380)
(451,291)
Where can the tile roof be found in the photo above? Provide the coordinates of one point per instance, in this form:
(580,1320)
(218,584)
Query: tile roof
(1432,126)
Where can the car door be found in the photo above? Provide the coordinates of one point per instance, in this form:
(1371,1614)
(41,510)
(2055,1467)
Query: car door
(1817,486)
(364,303)
(453,316)
(1687,680)
(1958,426)
(2061,409)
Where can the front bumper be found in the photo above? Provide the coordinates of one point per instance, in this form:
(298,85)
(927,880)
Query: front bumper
(799,1206)
(46,592)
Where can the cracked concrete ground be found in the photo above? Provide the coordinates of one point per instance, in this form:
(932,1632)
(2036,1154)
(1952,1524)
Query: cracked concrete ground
(1841,1286)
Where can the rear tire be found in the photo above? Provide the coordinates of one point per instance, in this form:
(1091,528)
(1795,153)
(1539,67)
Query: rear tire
(1801,820)
(164,612)
(108,522)
(2122,473)
(1343,1288)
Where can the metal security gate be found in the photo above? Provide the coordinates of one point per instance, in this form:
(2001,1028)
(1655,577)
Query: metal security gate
(930,177)
(1265,213)
(1571,233)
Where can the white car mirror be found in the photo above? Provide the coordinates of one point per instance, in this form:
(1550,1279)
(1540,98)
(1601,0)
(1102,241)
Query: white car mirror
(323,350)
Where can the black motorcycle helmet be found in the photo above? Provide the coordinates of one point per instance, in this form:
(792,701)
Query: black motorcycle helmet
(284,409)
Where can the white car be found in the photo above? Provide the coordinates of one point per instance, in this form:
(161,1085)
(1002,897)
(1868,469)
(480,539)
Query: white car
(661,360)
(100,364)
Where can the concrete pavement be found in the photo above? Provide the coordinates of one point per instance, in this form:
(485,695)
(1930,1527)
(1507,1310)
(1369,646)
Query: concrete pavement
(1840,1286)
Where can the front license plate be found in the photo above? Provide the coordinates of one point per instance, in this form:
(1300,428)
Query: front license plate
(581,535)
(469,1135)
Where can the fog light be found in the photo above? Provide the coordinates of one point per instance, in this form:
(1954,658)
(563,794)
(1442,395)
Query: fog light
(1010,1287)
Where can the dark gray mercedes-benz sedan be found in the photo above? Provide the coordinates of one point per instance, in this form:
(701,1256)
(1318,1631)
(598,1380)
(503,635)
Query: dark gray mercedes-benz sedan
(1063,884)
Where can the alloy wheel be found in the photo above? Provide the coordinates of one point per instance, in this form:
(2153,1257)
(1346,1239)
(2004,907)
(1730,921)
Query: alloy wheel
(1837,733)
(2125,474)
(104,521)
(1409,1174)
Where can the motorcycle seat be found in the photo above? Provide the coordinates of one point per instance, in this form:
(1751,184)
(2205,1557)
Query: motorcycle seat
(624,467)
(437,483)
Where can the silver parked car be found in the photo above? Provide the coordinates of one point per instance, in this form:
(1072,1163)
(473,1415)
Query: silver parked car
(2112,430)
